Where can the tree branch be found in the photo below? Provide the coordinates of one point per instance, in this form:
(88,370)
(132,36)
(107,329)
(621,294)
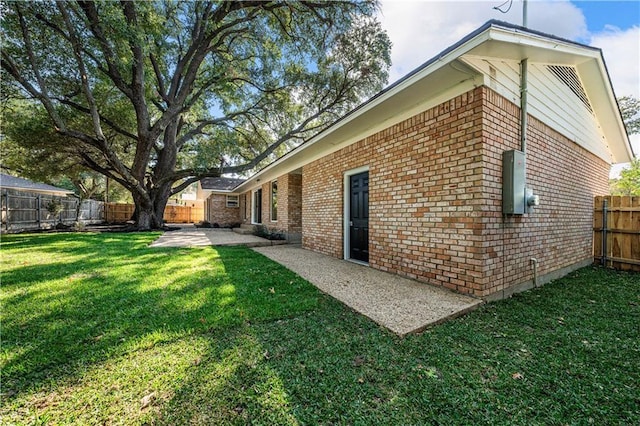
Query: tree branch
(107,121)
(93,109)
(90,11)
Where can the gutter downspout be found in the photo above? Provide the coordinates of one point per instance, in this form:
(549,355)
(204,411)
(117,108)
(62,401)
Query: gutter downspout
(523,94)
(523,109)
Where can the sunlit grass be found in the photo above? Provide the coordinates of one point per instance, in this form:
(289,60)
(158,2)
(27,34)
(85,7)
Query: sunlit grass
(93,323)
(101,329)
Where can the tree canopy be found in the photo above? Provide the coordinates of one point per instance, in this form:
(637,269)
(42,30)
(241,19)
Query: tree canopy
(156,95)
(629,181)
(630,110)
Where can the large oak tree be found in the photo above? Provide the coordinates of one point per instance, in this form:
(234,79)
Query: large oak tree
(157,95)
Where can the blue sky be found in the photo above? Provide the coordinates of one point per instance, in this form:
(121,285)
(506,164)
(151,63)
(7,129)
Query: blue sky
(420,29)
(599,14)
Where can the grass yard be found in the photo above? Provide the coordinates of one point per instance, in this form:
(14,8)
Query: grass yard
(101,329)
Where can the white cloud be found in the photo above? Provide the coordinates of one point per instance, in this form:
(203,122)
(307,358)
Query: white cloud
(621,50)
(420,30)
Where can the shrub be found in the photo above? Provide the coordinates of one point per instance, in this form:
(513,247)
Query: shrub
(269,234)
(55,207)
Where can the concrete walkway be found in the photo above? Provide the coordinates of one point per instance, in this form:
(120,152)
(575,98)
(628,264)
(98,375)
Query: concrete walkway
(402,305)
(190,236)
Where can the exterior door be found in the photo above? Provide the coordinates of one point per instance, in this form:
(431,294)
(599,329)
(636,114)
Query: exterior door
(359,217)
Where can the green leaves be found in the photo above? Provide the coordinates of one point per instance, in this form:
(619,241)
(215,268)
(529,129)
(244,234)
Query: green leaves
(630,110)
(154,94)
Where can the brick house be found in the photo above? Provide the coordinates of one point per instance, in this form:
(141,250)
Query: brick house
(221,204)
(433,179)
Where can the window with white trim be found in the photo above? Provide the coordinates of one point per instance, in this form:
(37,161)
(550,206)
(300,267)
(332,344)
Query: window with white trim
(233,201)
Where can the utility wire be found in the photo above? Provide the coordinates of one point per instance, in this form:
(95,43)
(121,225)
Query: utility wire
(498,8)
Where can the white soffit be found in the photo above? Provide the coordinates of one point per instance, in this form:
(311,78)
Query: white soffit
(513,44)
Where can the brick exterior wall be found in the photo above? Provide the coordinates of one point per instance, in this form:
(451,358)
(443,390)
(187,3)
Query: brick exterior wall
(245,208)
(290,203)
(219,213)
(289,197)
(566,177)
(435,194)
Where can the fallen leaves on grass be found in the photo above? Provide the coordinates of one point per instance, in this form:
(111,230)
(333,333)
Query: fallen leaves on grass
(147,400)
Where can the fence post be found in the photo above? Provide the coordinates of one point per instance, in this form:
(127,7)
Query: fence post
(604,232)
(6,208)
(38,211)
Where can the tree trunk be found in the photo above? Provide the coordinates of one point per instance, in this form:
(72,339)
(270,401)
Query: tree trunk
(149,215)
(144,214)
(78,208)
(160,203)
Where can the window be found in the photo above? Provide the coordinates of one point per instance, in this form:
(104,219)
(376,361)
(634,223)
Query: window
(274,200)
(232,201)
(257,206)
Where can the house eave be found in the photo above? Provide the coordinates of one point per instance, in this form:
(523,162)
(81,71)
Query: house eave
(39,191)
(494,39)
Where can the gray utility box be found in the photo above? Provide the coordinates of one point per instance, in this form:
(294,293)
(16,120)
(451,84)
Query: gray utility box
(513,181)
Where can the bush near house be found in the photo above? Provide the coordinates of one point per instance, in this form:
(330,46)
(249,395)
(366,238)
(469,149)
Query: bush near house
(268,233)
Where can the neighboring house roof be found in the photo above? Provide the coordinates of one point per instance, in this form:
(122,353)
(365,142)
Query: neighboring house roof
(220,183)
(459,69)
(20,184)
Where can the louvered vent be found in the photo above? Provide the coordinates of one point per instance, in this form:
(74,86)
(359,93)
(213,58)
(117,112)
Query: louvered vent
(568,76)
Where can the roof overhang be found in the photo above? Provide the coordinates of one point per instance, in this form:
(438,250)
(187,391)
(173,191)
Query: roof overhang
(515,43)
(444,77)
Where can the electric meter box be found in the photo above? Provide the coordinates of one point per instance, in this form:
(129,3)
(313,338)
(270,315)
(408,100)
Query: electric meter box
(513,181)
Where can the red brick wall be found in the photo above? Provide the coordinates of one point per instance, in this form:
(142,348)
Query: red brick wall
(566,177)
(435,197)
(266,205)
(245,207)
(289,195)
(290,203)
(219,212)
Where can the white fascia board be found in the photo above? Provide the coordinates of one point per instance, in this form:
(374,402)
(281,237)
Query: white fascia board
(544,44)
(606,108)
(221,191)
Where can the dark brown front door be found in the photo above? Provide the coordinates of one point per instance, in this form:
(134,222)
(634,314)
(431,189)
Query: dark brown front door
(359,217)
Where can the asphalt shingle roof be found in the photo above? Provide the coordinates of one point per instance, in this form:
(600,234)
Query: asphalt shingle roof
(8,181)
(220,183)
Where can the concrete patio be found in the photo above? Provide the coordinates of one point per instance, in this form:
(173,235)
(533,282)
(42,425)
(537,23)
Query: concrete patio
(190,236)
(402,305)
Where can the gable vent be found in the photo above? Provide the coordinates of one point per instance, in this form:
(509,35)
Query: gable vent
(570,78)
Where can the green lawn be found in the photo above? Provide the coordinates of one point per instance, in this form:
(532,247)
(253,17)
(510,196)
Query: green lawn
(94,323)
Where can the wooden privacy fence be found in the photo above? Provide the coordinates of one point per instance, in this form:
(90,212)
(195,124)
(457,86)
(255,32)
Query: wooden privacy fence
(22,210)
(616,226)
(117,212)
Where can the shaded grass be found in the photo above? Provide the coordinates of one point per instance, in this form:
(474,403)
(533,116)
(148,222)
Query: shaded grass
(93,323)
